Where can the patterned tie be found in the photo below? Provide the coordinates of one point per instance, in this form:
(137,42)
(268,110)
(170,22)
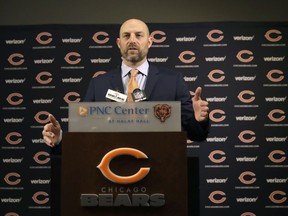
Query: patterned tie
(132,84)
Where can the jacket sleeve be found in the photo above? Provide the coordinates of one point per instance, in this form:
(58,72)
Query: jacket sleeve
(196,131)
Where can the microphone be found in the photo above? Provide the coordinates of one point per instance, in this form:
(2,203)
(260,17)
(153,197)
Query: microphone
(138,95)
(116,96)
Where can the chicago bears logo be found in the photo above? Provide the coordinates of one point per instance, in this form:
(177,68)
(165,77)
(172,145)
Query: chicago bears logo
(162,111)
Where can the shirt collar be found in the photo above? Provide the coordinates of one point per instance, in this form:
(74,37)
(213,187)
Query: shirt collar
(142,68)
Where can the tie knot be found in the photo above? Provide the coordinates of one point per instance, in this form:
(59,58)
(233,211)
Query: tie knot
(134,72)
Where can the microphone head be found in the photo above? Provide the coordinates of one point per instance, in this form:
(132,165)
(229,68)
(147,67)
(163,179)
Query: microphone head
(138,95)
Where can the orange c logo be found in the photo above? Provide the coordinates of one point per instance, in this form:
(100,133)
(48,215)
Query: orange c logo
(273,35)
(44,38)
(215,113)
(183,56)
(215,39)
(243,136)
(275,197)
(217,193)
(98,73)
(105,169)
(41,77)
(243,179)
(278,78)
(69,94)
(36,199)
(101,37)
(242,98)
(248,56)
(19,59)
(161,39)
(280,115)
(15,98)
(212,77)
(73,54)
(10,178)
(11,214)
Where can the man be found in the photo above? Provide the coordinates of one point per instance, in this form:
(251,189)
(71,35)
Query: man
(159,84)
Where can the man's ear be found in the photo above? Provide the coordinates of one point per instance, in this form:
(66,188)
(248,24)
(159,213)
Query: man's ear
(118,42)
(150,41)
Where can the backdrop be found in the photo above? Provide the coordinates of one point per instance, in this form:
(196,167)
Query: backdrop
(242,68)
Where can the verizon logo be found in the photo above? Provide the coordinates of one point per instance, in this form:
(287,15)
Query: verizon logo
(11,200)
(72,80)
(246,159)
(186,39)
(217,181)
(43,61)
(190,79)
(216,139)
(100,61)
(246,118)
(243,38)
(217,99)
(277,181)
(13,120)
(15,81)
(64,119)
(276,139)
(215,59)
(71,40)
(36,141)
(274,59)
(247,200)
(14,41)
(275,99)
(43,101)
(245,78)
(40,181)
(12,160)
(156,59)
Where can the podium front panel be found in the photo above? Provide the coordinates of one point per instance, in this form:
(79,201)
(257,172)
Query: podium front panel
(101,174)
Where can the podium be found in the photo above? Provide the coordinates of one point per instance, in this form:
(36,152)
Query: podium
(123,173)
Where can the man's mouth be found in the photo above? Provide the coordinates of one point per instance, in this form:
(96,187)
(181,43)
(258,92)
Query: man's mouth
(132,51)
(132,48)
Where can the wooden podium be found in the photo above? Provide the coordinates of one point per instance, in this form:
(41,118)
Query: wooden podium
(163,191)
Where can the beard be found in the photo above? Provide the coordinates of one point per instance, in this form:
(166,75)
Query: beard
(133,56)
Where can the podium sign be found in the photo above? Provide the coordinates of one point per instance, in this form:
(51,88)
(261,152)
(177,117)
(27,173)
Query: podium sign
(124,174)
(124,117)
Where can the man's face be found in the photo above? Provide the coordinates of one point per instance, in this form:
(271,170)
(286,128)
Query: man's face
(134,41)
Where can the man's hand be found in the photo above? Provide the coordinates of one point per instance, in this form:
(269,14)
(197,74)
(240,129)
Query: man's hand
(51,131)
(200,106)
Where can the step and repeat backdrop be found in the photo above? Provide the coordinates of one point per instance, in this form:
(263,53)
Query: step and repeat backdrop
(242,68)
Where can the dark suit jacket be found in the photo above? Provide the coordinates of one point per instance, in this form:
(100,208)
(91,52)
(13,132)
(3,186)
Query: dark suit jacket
(162,85)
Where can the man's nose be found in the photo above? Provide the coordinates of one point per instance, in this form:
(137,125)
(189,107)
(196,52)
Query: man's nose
(132,38)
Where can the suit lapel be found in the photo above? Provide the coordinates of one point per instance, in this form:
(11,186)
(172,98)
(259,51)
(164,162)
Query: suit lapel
(116,80)
(153,76)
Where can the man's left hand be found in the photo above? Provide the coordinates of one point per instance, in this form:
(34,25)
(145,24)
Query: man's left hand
(200,106)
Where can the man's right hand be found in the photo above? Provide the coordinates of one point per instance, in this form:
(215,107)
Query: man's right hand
(51,131)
